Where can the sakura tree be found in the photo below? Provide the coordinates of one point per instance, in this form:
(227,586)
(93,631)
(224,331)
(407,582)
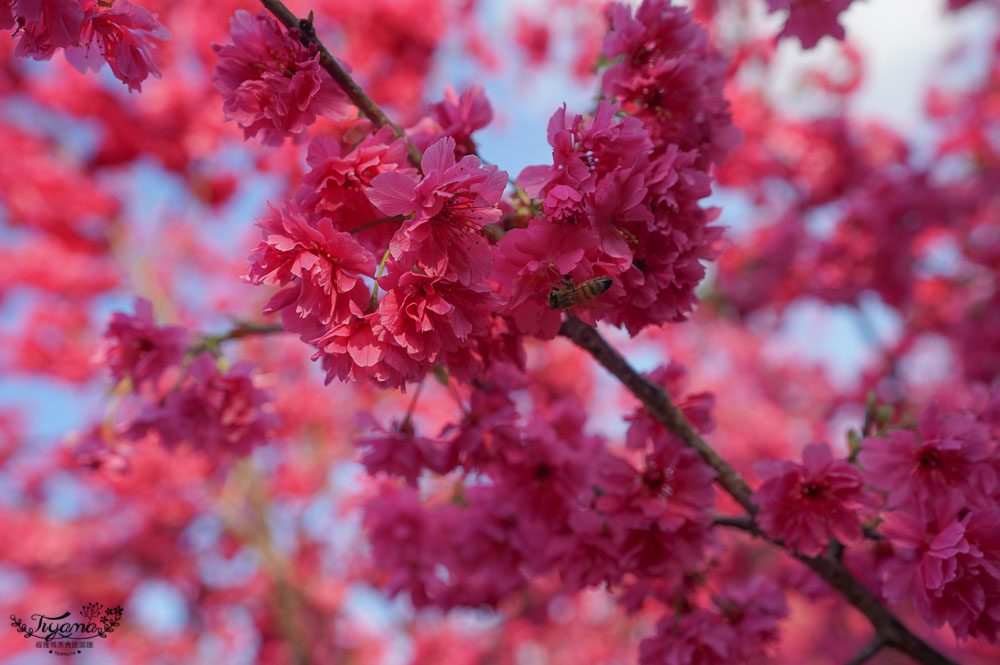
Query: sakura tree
(297,371)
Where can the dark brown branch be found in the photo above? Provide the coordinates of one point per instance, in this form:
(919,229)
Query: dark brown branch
(354,92)
(659,405)
(867,652)
(887,627)
(747,523)
(741,522)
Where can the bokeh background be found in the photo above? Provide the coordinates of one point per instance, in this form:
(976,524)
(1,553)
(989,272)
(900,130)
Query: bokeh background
(173,222)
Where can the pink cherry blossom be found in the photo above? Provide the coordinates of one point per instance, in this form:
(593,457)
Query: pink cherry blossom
(448,210)
(551,466)
(324,267)
(666,267)
(272,84)
(698,638)
(487,545)
(353,351)
(811,20)
(220,412)
(946,454)
(137,348)
(399,452)
(426,314)
(754,609)
(531,262)
(45,25)
(336,186)
(119,34)
(697,408)
(405,543)
(458,117)
(659,513)
(669,77)
(740,630)
(807,504)
(489,427)
(586,148)
(949,565)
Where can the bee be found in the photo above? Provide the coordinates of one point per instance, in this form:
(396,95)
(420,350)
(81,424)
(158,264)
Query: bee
(573,296)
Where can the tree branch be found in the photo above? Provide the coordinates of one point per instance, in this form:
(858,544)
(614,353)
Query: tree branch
(741,522)
(888,628)
(659,405)
(241,329)
(354,92)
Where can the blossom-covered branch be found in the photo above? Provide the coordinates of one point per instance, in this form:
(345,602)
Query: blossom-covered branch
(658,402)
(354,92)
(659,405)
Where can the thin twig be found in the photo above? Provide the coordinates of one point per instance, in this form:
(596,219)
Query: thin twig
(889,629)
(660,407)
(354,92)
(741,522)
(383,220)
(242,329)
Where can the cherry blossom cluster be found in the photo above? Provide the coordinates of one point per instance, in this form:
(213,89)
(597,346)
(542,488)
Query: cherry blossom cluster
(942,515)
(458,283)
(548,498)
(551,499)
(742,624)
(90,32)
(621,197)
(934,495)
(361,200)
(184,400)
(807,505)
(272,84)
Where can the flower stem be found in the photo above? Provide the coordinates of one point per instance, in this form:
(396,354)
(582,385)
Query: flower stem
(381,267)
(394,218)
(413,404)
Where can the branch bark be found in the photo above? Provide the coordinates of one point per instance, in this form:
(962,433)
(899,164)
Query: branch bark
(659,405)
(354,92)
(888,629)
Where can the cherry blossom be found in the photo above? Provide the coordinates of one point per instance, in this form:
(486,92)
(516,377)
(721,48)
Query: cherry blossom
(272,84)
(808,504)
